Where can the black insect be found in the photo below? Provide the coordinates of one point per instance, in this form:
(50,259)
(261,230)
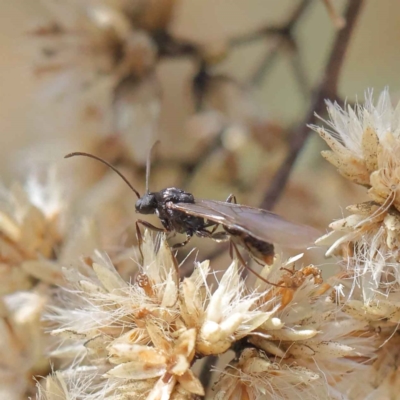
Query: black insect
(254,229)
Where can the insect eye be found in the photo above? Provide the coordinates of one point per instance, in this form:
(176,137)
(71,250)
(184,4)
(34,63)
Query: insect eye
(146,205)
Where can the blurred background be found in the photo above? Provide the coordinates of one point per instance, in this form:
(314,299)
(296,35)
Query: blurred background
(222,84)
(227,86)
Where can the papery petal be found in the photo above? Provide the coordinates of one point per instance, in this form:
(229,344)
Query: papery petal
(110,279)
(190,383)
(136,370)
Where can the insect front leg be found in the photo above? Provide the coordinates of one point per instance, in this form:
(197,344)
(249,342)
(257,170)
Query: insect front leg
(139,233)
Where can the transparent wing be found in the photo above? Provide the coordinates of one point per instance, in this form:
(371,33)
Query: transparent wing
(261,224)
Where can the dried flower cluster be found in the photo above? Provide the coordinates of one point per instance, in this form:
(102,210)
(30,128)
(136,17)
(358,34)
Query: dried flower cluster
(37,239)
(140,339)
(111,62)
(365,144)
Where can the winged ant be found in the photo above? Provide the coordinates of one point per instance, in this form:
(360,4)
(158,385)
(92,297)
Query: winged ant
(254,229)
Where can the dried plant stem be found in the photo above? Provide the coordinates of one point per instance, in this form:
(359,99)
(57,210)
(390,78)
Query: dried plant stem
(326,89)
(284,37)
(274,30)
(205,376)
(337,20)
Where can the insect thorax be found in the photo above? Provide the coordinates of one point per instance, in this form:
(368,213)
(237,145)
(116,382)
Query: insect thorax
(176,220)
(175,196)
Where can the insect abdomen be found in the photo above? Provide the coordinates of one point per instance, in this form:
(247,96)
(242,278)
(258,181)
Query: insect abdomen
(258,249)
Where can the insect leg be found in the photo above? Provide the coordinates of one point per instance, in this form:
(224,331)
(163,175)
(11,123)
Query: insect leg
(214,229)
(243,262)
(150,226)
(240,258)
(291,271)
(231,199)
(255,260)
(210,224)
(204,232)
(178,245)
(218,237)
(139,239)
(139,233)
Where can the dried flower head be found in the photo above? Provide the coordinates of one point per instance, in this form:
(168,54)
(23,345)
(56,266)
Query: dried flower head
(380,381)
(143,336)
(98,64)
(112,47)
(255,376)
(30,230)
(36,240)
(308,336)
(225,316)
(365,149)
(152,327)
(23,343)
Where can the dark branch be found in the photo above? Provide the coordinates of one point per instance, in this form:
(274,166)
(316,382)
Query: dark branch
(206,374)
(326,89)
(171,47)
(274,30)
(284,37)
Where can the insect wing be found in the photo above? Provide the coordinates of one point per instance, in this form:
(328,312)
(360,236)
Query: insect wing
(261,224)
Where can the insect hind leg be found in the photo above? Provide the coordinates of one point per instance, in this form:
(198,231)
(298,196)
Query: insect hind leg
(233,248)
(243,262)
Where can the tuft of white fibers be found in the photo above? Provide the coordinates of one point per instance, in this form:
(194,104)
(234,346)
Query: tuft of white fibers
(348,124)
(365,144)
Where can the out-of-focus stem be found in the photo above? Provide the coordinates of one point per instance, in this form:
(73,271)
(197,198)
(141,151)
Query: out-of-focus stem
(326,89)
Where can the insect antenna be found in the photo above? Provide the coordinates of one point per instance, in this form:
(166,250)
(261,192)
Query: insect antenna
(148,164)
(79,153)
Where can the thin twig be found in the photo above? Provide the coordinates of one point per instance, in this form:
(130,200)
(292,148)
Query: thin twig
(169,46)
(273,30)
(337,19)
(267,63)
(326,89)
(300,74)
(284,36)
